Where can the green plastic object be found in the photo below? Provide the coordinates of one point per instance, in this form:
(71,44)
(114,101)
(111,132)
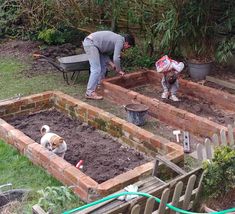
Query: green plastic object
(143,195)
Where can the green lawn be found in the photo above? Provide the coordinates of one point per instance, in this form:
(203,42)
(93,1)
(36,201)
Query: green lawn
(14,80)
(15,168)
(22,174)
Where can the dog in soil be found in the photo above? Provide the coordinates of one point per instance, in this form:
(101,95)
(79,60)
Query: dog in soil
(52,141)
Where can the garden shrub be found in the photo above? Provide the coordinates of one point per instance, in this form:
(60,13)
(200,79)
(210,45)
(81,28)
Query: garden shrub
(56,199)
(137,57)
(219,177)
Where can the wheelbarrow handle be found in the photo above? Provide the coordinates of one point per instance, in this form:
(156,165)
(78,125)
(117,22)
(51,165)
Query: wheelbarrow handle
(49,60)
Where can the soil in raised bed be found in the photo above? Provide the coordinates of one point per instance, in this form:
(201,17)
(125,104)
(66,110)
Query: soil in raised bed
(152,124)
(195,106)
(104,157)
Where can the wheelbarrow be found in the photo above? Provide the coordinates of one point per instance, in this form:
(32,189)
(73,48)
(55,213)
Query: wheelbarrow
(70,64)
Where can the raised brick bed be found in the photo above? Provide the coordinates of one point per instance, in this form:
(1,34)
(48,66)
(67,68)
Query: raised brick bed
(119,90)
(84,186)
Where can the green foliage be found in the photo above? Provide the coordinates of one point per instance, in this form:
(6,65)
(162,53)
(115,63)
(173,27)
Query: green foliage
(51,36)
(191,27)
(55,199)
(9,12)
(225,50)
(137,57)
(31,177)
(219,177)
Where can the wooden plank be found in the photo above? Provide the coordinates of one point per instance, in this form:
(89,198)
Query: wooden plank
(223,137)
(155,167)
(145,185)
(199,152)
(176,195)
(230,135)
(164,200)
(208,146)
(115,203)
(171,165)
(149,206)
(188,192)
(150,188)
(198,193)
(38,210)
(125,207)
(135,209)
(215,139)
(223,83)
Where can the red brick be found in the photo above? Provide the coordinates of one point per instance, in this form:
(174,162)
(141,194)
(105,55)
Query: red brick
(175,156)
(109,186)
(87,183)
(57,174)
(73,174)
(92,112)
(144,135)
(44,158)
(19,139)
(5,128)
(32,150)
(43,104)
(128,177)
(130,128)
(145,169)
(143,99)
(178,113)
(81,110)
(59,163)
(132,95)
(175,147)
(80,192)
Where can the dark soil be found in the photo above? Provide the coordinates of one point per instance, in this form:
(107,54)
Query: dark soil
(104,157)
(222,203)
(195,106)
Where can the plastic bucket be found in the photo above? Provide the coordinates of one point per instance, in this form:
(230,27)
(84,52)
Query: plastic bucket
(199,71)
(136,113)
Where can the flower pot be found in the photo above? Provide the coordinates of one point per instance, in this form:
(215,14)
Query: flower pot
(136,113)
(209,210)
(199,71)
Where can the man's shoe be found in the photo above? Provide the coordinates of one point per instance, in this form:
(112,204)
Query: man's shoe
(93,96)
(165,95)
(174,98)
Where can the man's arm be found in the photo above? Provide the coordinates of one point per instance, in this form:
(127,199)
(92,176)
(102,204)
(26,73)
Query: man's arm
(117,56)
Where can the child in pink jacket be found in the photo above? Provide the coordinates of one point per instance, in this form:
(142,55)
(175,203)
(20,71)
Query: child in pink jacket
(170,70)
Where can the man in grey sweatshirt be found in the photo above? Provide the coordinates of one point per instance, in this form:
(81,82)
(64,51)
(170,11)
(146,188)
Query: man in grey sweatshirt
(98,46)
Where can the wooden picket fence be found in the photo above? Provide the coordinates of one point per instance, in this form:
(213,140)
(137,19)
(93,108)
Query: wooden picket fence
(206,151)
(185,201)
(181,192)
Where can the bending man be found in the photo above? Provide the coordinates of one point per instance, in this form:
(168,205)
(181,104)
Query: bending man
(98,46)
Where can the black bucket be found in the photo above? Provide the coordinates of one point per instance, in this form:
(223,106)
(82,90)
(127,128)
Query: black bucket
(136,113)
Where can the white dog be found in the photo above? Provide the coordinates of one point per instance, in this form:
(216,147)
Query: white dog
(52,141)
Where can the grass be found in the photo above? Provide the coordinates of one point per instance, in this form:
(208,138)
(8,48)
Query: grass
(22,174)
(15,168)
(13,80)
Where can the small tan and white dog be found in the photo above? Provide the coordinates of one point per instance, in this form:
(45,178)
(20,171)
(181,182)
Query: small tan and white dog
(52,141)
